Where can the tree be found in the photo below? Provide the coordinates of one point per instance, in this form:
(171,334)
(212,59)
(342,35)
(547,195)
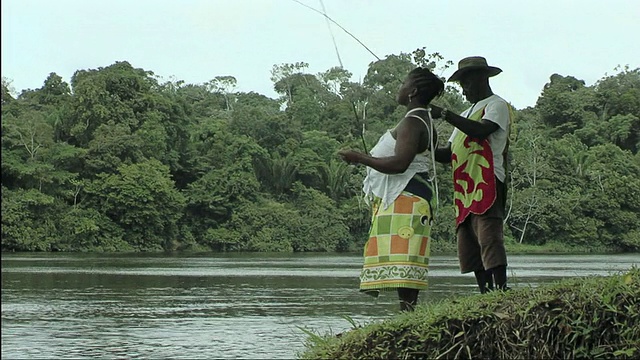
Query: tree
(27,220)
(54,91)
(140,198)
(277,173)
(432,61)
(30,153)
(283,80)
(320,227)
(29,131)
(7,90)
(87,230)
(337,180)
(619,94)
(110,94)
(263,225)
(224,85)
(334,78)
(270,130)
(564,103)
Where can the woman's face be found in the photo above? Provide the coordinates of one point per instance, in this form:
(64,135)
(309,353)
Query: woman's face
(405,90)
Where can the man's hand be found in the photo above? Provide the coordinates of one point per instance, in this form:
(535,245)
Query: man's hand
(436,111)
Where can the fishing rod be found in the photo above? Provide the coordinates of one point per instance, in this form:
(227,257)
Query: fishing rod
(340,26)
(355,113)
(329,19)
(333,38)
(353,105)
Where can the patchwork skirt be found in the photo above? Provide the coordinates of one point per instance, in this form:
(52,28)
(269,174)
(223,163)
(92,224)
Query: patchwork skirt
(397,252)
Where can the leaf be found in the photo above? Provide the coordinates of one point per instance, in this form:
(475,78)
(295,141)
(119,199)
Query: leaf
(501,315)
(626,352)
(627,278)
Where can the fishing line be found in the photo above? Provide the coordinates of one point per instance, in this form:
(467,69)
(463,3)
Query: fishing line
(340,26)
(328,19)
(333,38)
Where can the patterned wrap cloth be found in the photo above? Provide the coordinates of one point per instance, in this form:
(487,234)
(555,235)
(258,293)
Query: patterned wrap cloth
(397,252)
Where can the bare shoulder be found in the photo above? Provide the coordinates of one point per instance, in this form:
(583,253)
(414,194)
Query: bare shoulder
(413,122)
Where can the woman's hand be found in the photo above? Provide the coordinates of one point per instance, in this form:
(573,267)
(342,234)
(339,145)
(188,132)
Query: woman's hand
(350,156)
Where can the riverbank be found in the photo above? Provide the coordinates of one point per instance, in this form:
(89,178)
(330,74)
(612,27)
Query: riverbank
(439,247)
(576,318)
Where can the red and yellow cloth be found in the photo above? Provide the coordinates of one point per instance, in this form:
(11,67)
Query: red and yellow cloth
(474,187)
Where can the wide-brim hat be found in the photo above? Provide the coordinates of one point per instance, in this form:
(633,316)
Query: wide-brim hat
(474,63)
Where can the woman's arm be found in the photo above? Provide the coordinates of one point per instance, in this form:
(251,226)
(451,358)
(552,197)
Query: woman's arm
(408,134)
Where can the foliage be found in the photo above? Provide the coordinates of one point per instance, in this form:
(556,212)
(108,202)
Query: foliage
(27,220)
(117,160)
(142,199)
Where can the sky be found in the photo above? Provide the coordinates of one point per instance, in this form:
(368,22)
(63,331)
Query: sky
(197,40)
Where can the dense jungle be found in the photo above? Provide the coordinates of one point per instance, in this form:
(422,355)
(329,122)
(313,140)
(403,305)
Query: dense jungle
(121,160)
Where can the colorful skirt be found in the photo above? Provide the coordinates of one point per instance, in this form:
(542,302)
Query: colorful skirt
(397,252)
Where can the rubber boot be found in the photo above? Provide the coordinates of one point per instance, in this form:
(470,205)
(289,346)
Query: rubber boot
(489,280)
(408,298)
(500,277)
(482,278)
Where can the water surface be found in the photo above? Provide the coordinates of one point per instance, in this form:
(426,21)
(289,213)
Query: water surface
(216,306)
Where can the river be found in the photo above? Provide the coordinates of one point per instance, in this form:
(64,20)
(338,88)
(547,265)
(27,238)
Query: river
(204,306)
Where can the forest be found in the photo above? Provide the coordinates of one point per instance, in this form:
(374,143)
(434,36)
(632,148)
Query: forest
(121,160)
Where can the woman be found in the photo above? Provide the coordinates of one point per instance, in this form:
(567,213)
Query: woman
(398,187)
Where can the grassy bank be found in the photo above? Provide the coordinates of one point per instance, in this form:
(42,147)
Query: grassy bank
(596,317)
(443,247)
(556,248)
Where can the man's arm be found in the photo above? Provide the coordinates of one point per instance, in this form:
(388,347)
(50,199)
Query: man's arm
(475,129)
(443,154)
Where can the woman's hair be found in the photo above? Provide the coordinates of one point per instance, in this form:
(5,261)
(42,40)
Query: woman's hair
(428,84)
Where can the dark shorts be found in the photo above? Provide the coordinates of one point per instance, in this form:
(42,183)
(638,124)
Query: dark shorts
(481,237)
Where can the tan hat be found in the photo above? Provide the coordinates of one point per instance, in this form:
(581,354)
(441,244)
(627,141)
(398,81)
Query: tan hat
(474,63)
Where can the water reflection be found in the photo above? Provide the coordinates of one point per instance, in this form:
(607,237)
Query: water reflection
(212,306)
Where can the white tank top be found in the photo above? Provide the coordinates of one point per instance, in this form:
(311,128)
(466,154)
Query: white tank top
(389,186)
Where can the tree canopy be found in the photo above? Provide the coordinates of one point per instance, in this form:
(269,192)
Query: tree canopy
(118,160)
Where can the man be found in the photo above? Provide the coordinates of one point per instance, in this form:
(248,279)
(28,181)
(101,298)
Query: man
(477,150)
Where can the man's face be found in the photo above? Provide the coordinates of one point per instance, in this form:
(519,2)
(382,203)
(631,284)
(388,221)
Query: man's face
(471,83)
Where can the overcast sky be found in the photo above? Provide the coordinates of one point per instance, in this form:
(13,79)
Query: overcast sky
(197,40)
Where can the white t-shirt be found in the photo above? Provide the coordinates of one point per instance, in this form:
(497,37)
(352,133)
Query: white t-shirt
(496,111)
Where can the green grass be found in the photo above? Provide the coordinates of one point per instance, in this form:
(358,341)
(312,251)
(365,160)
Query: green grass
(554,248)
(441,247)
(596,317)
